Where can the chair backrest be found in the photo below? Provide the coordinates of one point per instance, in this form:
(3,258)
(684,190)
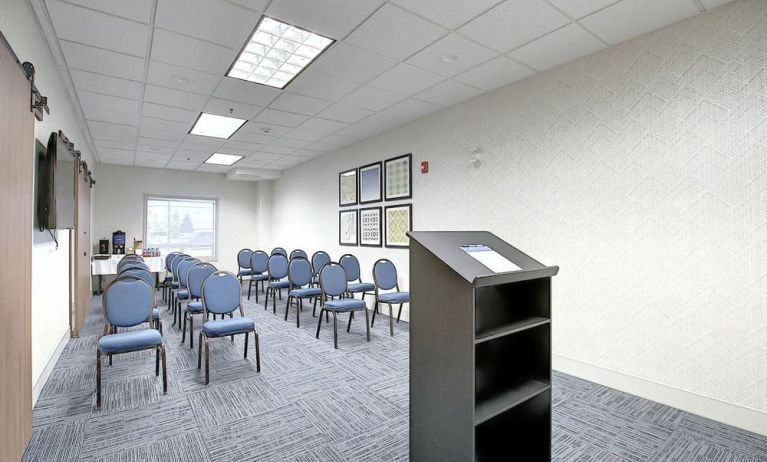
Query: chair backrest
(243,258)
(183,270)
(280,251)
(169,258)
(319,259)
(128,301)
(138,273)
(174,264)
(221,293)
(258,262)
(196,276)
(277,266)
(333,280)
(299,272)
(128,259)
(132,264)
(351,265)
(298,253)
(385,274)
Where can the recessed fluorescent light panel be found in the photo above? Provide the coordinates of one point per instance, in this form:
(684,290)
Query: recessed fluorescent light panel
(216,126)
(222,159)
(276,53)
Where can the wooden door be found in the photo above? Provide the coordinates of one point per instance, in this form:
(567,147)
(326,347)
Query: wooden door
(81,282)
(17,145)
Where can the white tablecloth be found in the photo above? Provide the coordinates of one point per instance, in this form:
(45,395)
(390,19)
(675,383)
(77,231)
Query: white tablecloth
(109,266)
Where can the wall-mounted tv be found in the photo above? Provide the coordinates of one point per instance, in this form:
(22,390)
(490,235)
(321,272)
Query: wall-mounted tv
(56,176)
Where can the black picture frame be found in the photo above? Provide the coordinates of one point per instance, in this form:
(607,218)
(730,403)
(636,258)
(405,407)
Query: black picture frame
(355,220)
(362,185)
(386,224)
(387,162)
(341,175)
(379,209)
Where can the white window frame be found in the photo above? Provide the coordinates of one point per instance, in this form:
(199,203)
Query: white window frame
(148,197)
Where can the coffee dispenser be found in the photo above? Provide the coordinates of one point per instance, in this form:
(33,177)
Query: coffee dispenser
(118,242)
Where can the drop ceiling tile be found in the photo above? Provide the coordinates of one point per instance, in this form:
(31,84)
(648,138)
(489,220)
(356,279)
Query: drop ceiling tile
(239,147)
(711,4)
(208,168)
(163,129)
(449,93)
(175,98)
(180,78)
(351,63)
(563,45)
(333,142)
(310,83)
(154,142)
(631,18)
(191,156)
(271,149)
(152,158)
(117,158)
(287,119)
(344,113)
(288,143)
(449,13)
(98,29)
(260,130)
(298,103)
(249,136)
(106,115)
(315,129)
(371,98)
(111,103)
(172,48)
(182,165)
(259,156)
(307,153)
(92,59)
(494,74)
(254,5)
(405,80)
(247,92)
(231,108)
(334,19)
(117,153)
(129,145)
(580,8)
(287,161)
(137,10)
(105,84)
(113,132)
(395,33)
(210,20)
(155,150)
(451,55)
(201,143)
(513,23)
(400,113)
(175,114)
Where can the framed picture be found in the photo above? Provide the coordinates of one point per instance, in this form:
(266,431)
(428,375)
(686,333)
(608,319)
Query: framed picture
(347,188)
(370,183)
(399,220)
(347,227)
(398,177)
(370,227)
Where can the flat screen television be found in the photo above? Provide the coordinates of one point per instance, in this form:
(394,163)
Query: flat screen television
(56,176)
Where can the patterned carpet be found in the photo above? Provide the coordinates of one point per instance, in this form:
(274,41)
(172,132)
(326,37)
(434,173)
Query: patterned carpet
(313,403)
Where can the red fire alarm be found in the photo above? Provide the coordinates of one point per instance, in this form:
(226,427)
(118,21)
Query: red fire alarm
(425,166)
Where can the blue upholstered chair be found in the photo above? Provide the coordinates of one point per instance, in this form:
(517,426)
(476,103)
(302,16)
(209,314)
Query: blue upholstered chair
(385,277)
(166,282)
(298,253)
(149,279)
(352,267)
(333,283)
(319,259)
(243,262)
(277,268)
(279,251)
(195,277)
(127,302)
(259,267)
(221,295)
(175,282)
(182,294)
(130,258)
(132,264)
(300,277)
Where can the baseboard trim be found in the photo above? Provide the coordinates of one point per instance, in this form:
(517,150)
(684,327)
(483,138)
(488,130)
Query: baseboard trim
(46,373)
(714,409)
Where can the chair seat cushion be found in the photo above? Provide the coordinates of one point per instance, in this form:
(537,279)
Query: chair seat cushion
(395,297)
(345,304)
(305,292)
(245,272)
(194,307)
(182,294)
(362,287)
(174,285)
(126,341)
(260,277)
(280,284)
(228,326)
(155,314)
(168,278)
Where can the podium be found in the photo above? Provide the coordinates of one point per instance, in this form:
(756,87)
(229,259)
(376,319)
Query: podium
(480,349)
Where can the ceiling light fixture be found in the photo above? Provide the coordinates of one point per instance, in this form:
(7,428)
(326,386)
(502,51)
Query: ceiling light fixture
(222,159)
(276,53)
(216,126)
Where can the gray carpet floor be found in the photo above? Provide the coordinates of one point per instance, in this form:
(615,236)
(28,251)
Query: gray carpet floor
(313,403)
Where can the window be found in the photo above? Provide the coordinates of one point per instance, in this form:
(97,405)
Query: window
(174,224)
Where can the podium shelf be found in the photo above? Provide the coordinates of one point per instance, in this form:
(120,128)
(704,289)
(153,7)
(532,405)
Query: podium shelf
(507,399)
(511,328)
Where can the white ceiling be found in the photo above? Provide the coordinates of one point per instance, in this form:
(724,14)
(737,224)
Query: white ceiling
(144,69)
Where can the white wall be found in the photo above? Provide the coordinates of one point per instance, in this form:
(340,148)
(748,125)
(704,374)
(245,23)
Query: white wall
(119,204)
(640,170)
(50,291)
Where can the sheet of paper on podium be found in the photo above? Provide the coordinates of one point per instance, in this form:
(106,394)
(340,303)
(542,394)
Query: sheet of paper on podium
(496,262)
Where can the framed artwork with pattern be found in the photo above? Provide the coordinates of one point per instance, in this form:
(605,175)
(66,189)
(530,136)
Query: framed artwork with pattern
(398,178)
(399,220)
(370,189)
(347,188)
(370,227)
(347,227)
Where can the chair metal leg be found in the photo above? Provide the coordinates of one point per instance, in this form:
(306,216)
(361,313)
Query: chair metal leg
(391,320)
(164,369)
(349,327)
(199,351)
(98,378)
(246,345)
(157,362)
(262,287)
(319,324)
(258,353)
(375,310)
(183,331)
(274,301)
(367,323)
(299,308)
(207,362)
(287,307)
(335,330)
(399,313)
(314,310)
(266,300)
(191,331)
(250,284)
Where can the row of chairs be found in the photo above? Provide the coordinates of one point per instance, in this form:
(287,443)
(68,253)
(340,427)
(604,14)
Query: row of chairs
(304,280)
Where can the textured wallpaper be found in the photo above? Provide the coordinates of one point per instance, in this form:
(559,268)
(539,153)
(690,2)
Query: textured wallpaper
(640,170)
